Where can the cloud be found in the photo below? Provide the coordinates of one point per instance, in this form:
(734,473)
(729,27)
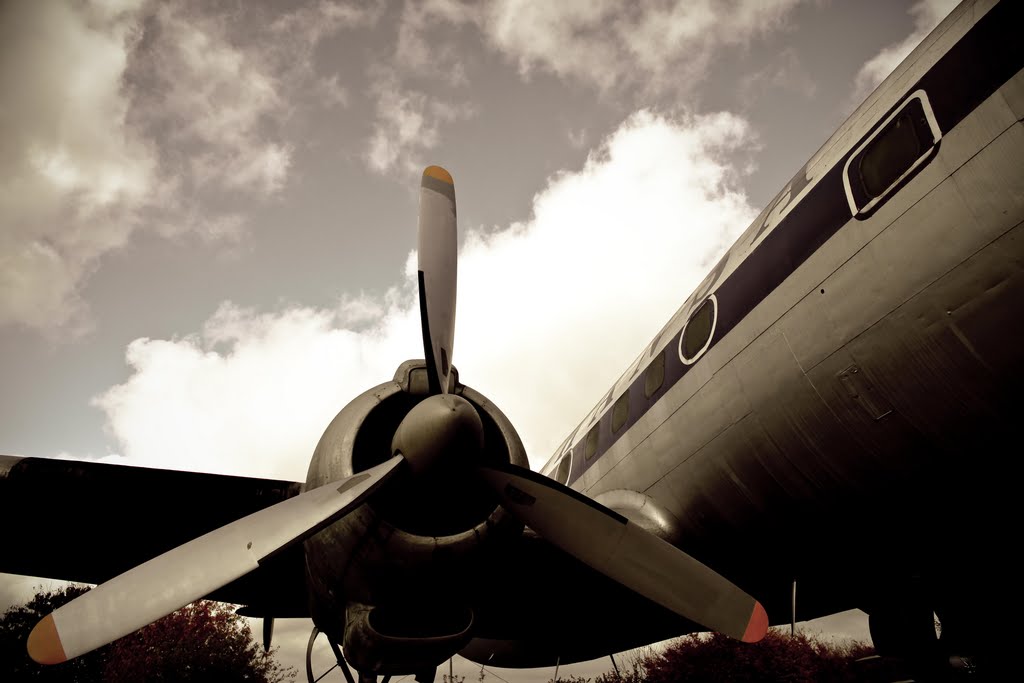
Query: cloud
(134,116)
(607,44)
(252,392)
(408,121)
(551,310)
(75,174)
(419,48)
(223,95)
(927,15)
(562,302)
(408,124)
(785,72)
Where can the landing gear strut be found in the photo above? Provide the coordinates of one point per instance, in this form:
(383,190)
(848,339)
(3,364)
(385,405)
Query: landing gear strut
(422,677)
(341,663)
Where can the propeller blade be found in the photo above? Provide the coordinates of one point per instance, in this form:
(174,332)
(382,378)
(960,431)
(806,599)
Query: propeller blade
(609,543)
(158,587)
(438,244)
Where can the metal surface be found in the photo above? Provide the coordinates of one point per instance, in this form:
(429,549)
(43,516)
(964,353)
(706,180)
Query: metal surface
(438,248)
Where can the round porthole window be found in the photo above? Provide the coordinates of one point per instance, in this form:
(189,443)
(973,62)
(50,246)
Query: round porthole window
(700,328)
(564,467)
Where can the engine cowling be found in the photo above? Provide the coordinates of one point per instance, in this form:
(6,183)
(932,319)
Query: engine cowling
(425,535)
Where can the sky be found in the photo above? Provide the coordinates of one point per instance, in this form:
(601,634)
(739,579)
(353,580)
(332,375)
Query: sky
(208,213)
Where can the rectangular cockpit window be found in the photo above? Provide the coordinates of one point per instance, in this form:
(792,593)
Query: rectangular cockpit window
(891,155)
(620,412)
(591,444)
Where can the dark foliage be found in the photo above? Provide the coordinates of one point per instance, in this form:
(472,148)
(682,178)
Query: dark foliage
(204,641)
(17,623)
(714,658)
(778,657)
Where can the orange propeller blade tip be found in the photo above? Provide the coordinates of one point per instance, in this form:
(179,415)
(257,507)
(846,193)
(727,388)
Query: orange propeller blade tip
(44,644)
(438,173)
(757,626)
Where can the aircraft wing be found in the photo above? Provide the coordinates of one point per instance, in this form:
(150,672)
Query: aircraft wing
(88,522)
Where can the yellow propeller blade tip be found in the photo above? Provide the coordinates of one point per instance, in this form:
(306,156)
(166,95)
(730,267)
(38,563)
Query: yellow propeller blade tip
(438,173)
(44,644)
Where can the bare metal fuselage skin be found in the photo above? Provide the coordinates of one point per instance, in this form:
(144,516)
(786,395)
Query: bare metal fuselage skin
(851,425)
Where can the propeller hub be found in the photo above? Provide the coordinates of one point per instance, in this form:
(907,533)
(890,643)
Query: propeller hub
(444,429)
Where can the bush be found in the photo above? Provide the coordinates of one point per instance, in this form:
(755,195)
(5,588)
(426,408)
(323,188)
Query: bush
(714,658)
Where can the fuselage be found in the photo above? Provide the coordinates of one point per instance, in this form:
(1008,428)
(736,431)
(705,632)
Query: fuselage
(834,413)
(826,408)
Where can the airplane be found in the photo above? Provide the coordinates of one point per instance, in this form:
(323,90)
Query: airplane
(828,422)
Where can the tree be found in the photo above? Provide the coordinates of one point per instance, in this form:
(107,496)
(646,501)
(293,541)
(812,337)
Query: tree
(200,642)
(15,625)
(800,658)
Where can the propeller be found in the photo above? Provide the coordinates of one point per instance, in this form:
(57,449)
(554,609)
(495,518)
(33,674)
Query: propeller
(438,250)
(443,430)
(156,588)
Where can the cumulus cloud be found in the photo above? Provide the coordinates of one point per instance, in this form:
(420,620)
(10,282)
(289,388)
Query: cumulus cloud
(551,310)
(927,15)
(408,121)
(74,173)
(135,114)
(647,47)
(420,52)
(563,301)
(252,392)
(223,94)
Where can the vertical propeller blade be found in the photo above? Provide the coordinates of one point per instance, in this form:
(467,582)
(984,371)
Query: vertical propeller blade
(438,244)
(152,590)
(622,551)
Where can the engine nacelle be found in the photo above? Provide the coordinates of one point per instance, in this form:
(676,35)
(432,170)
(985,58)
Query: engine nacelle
(403,639)
(419,535)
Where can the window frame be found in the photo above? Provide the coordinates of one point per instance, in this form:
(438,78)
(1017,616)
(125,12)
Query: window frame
(863,212)
(711,335)
(593,436)
(658,360)
(616,424)
(566,458)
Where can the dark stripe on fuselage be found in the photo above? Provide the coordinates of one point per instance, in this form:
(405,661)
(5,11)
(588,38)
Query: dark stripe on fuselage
(987,56)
